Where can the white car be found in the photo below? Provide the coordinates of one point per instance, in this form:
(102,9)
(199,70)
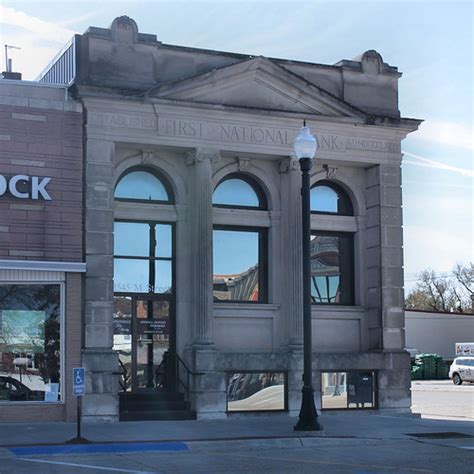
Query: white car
(462,370)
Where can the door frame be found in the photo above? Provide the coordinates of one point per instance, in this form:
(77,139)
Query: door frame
(135,297)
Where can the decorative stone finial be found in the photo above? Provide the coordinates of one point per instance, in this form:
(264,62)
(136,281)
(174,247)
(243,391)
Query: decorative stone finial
(124,30)
(372,62)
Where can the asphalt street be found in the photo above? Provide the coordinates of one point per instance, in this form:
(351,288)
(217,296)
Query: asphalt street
(356,443)
(443,400)
(329,456)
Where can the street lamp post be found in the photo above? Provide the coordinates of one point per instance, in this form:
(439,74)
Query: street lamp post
(305,148)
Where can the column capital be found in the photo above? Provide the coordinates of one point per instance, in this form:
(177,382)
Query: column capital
(290,163)
(203,155)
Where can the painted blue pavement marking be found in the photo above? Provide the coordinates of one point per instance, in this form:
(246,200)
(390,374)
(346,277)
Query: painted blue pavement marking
(98,448)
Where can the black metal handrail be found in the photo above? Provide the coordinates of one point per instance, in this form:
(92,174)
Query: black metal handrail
(125,379)
(186,385)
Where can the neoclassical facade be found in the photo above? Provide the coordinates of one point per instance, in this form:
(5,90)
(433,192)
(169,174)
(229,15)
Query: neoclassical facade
(193,228)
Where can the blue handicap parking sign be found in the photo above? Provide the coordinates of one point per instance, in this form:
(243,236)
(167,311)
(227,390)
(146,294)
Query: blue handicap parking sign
(78,381)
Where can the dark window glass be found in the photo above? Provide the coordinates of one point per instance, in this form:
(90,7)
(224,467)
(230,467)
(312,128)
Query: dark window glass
(30,349)
(238,192)
(330,199)
(143,186)
(332,268)
(256,391)
(239,271)
(343,390)
(143,257)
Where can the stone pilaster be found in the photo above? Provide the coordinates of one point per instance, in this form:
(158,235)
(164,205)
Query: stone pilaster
(373,239)
(385,284)
(292,250)
(99,359)
(200,160)
(292,300)
(393,318)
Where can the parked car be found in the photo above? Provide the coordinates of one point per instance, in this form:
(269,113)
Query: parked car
(462,370)
(13,390)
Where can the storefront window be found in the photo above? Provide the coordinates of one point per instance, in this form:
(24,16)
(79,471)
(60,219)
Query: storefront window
(256,391)
(30,345)
(353,389)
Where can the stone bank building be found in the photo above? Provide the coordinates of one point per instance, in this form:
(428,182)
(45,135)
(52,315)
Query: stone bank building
(168,258)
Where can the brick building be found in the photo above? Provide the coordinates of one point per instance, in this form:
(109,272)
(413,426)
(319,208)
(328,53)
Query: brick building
(41,250)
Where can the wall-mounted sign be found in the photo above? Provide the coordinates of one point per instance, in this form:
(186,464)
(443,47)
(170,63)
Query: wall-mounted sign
(22,186)
(153,326)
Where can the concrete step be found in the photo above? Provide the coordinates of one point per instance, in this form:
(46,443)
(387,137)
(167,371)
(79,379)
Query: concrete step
(153,405)
(151,396)
(158,415)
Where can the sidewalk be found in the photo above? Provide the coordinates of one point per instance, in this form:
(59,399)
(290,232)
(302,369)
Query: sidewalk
(250,430)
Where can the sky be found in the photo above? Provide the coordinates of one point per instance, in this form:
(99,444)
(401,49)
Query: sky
(431,43)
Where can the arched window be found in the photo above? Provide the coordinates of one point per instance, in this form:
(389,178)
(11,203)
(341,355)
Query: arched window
(239,249)
(140,184)
(328,198)
(238,191)
(142,248)
(332,253)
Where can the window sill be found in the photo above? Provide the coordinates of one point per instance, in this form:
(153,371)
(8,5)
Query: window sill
(246,305)
(329,311)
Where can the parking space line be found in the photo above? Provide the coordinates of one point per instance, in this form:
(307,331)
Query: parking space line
(87,466)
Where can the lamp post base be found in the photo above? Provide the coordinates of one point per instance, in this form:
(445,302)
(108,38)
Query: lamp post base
(308,418)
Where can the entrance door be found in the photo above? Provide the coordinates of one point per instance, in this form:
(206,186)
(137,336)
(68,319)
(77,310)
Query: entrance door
(153,343)
(145,340)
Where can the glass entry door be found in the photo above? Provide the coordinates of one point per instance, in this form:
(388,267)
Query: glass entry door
(151,343)
(144,338)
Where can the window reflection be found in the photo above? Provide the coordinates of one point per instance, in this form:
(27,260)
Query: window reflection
(133,276)
(235,192)
(256,391)
(329,198)
(123,338)
(342,390)
(236,265)
(30,343)
(133,239)
(324,199)
(143,257)
(331,268)
(141,185)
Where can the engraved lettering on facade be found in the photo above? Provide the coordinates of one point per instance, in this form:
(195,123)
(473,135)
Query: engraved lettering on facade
(328,142)
(121,120)
(372,145)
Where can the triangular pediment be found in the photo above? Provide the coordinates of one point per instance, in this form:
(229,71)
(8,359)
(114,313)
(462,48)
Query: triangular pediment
(258,83)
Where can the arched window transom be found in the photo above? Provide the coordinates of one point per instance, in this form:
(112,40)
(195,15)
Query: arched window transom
(328,198)
(237,191)
(144,186)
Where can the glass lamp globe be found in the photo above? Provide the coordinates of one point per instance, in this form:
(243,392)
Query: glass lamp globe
(305,144)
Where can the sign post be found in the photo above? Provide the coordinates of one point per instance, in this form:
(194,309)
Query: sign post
(78,390)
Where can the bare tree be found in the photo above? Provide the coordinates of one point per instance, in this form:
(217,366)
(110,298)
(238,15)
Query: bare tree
(465,278)
(453,293)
